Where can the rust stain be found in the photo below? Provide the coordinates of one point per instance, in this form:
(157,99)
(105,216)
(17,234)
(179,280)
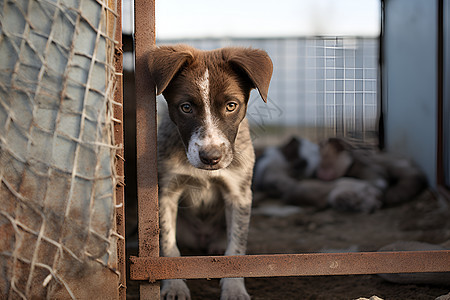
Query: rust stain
(152,269)
(146,132)
(119,161)
(147,176)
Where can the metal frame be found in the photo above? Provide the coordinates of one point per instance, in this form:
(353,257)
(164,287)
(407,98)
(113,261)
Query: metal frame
(195,267)
(442,181)
(150,267)
(147,176)
(119,159)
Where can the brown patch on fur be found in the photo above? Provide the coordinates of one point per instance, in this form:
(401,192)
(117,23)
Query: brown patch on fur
(232,74)
(290,150)
(166,61)
(255,63)
(297,164)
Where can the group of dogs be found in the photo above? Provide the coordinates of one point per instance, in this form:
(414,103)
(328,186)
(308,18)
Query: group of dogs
(337,174)
(206,159)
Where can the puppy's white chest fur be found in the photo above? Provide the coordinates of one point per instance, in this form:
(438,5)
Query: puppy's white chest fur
(202,189)
(201,192)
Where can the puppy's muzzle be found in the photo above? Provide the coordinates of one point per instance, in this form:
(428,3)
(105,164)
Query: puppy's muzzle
(210,156)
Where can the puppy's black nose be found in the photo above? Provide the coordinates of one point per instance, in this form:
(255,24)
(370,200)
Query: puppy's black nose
(210,156)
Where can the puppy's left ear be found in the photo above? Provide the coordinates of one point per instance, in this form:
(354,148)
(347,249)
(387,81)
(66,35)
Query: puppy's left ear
(255,63)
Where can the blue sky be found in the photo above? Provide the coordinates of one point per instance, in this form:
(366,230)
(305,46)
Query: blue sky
(262,18)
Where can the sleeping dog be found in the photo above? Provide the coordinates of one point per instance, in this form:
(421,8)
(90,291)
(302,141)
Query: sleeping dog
(205,154)
(289,172)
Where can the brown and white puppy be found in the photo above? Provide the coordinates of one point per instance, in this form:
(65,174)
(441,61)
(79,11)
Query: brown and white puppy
(205,154)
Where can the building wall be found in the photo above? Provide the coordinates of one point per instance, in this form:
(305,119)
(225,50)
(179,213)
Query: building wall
(446,112)
(410,81)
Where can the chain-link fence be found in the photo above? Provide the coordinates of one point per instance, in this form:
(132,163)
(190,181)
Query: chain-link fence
(57,175)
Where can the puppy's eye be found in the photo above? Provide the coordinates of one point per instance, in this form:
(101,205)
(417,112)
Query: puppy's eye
(231,106)
(186,108)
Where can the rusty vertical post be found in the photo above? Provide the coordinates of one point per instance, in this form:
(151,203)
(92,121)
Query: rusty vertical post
(144,12)
(118,139)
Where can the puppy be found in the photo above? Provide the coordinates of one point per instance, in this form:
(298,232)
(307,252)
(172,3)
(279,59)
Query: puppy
(297,159)
(205,154)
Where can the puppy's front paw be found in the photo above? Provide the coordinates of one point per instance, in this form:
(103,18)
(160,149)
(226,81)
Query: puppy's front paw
(233,289)
(175,289)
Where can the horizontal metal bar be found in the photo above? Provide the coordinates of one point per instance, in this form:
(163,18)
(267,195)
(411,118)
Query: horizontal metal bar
(192,267)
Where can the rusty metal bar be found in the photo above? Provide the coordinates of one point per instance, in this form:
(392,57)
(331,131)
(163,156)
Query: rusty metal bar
(193,267)
(147,178)
(119,161)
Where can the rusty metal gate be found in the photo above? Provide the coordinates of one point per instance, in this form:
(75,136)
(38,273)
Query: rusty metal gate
(149,267)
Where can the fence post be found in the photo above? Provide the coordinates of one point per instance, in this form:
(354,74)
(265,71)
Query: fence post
(146,140)
(119,141)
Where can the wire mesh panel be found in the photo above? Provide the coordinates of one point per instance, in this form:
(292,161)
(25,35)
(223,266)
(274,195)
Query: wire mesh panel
(56,149)
(321,86)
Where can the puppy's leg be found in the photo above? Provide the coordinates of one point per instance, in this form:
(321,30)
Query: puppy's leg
(168,209)
(237,212)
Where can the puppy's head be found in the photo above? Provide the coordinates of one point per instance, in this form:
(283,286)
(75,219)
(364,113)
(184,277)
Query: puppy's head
(303,157)
(335,159)
(207,94)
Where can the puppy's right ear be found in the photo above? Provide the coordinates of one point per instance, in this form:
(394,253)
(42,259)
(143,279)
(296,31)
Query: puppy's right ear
(165,61)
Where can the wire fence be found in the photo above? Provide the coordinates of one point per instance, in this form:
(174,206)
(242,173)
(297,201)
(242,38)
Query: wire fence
(57,173)
(321,86)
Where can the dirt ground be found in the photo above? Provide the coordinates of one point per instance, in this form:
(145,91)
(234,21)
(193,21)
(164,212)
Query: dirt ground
(276,229)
